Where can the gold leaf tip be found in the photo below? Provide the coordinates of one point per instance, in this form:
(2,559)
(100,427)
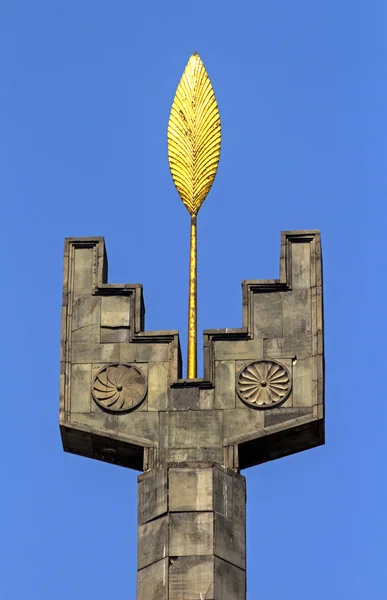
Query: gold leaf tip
(194,135)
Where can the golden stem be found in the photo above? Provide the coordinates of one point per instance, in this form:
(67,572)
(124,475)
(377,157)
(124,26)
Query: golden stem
(192,307)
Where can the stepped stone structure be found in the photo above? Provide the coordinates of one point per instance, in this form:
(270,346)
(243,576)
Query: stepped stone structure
(123,400)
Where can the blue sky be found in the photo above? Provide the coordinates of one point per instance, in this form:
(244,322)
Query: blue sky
(86,89)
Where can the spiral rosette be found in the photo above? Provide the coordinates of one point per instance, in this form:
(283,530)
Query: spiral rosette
(119,387)
(264,383)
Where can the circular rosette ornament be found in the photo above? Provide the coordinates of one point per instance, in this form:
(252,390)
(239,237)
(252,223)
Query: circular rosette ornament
(119,387)
(264,383)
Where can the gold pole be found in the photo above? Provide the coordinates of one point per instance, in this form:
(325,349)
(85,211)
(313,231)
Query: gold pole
(192,305)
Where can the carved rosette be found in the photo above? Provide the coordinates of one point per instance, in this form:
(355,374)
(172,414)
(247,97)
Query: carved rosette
(119,387)
(264,383)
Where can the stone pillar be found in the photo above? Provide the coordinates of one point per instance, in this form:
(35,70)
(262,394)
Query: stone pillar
(191,533)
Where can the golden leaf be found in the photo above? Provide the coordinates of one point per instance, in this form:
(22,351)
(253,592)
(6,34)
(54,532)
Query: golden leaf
(194,135)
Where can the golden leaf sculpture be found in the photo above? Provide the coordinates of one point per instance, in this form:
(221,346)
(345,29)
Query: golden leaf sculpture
(194,136)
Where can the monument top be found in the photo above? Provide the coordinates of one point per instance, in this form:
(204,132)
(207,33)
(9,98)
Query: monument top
(123,399)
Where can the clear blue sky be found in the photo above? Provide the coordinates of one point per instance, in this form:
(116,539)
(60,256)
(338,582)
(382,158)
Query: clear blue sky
(85,94)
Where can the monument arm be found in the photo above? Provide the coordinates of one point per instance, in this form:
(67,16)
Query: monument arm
(282,331)
(103,346)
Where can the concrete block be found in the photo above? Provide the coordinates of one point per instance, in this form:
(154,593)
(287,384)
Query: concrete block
(139,424)
(191,534)
(186,398)
(191,429)
(143,353)
(115,311)
(301,265)
(152,495)
(225,384)
(152,543)
(230,541)
(268,321)
(80,388)
(102,422)
(230,581)
(114,335)
(83,270)
(183,455)
(248,350)
(152,581)
(230,496)
(95,353)
(303,382)
(190,490)
(291,346)
(85,319)
(206,399)
(191,578)
(242,422)
(297,314)
(158,375)
(281,415)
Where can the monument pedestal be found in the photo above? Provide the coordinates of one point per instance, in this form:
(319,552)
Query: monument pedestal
(191,533)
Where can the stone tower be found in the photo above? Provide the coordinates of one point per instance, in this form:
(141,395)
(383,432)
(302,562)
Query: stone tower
(123,400)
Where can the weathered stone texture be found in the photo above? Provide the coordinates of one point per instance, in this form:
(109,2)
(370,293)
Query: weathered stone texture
(190,489)
(152,494)
(152,582)
(191,577)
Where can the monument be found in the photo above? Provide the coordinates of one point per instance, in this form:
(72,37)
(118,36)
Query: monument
(123,398)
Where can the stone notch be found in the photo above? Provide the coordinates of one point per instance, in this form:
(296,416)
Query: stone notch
(122,399)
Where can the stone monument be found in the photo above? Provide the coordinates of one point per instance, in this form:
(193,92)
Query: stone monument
(123,399)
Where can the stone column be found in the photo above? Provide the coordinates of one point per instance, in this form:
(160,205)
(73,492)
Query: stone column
(191,533)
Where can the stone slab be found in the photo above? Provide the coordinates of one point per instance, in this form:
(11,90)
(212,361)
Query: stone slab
(114,335)
(152,542)
(80,388)
(116,353)
(240,422)
(230,496)
(297,314)
(152,495)
(85,319)
(184,455)
(268,317)
(83,270)
(191,534)
(183,398)
(207,399)
(245,350)
(291,346)
(190,490)
(225,384)
(158,379)
(230,581)
(152,581)
(303,382)
(139,424)
(230,541)
(301,265)
(191,578)
(115,311)
(191,429)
